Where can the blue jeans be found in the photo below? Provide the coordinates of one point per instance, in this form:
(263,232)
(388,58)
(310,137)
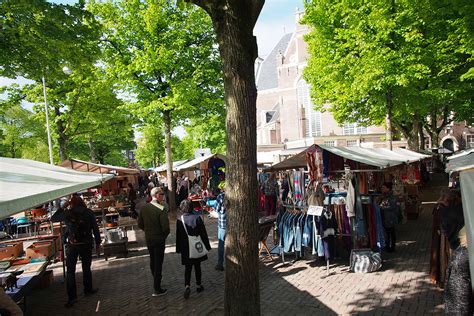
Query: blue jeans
(220,248)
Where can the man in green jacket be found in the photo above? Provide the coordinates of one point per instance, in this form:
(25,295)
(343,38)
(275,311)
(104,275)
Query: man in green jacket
(153,219)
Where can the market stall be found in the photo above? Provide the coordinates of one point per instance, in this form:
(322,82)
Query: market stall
(25,184)
(335,189)
(122,176)
(207,169)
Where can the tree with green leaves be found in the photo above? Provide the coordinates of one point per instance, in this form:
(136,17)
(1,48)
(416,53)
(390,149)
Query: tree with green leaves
(234,21)
(21,131)
(397,61)
(164,57)
(39,38)
(205,132)
(90,120)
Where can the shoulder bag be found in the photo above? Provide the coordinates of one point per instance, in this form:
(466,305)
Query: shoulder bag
(196,246)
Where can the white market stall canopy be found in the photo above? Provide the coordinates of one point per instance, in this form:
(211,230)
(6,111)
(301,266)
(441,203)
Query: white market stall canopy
(26,183)
(195,163)
(88,166)
(176,164)
(461,162)
(376,157)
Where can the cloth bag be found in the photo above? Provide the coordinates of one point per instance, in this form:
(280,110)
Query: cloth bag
(365,260)
(196,246)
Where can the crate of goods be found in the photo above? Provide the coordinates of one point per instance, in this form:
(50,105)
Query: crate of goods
(11,250)
(54,239)
(41,249)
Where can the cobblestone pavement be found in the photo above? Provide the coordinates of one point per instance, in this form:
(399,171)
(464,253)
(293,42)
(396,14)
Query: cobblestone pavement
(402,287)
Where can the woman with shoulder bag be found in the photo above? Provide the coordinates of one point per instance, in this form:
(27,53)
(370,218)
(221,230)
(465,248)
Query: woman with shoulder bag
(192,243)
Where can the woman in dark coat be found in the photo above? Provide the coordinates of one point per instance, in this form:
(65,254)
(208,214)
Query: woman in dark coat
(458,296)
(195,227)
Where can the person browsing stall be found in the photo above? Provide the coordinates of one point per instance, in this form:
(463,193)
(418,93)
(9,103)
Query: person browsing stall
(390,210)
(191,225)
(153,219)
(221,227)
(81,232)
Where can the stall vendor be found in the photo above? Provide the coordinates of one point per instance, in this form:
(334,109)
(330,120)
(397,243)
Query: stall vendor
(390,210)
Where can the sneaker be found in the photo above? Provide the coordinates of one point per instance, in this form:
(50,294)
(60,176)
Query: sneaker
(187,292)
(219,268)
(70,303)
(160,292)
(90,292)
(200,288)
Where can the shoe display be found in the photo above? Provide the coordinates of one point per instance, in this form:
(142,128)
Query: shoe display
(160,292)
(187,292)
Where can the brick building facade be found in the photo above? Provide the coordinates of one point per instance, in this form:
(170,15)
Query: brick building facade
(285,115)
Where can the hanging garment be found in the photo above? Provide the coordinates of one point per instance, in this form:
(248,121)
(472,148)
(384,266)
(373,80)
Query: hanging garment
(328,229)
(318,248)
(350,200)
(379,227)
(307,230)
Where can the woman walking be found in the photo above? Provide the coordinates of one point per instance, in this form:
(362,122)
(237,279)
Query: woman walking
(190,225)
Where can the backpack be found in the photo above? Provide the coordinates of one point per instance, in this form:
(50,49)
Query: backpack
(79,227)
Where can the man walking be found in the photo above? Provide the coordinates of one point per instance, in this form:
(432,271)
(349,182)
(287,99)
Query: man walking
(153,219)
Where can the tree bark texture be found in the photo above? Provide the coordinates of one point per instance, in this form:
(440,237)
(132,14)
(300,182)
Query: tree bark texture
(233,22)
(61,135)
(169,162)
(388,121)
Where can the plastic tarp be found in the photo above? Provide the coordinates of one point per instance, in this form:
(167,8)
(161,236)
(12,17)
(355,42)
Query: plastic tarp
(461,153)
(460,163)
(195,163)
(294,162)
(26,183)
(467,185)
(176,164)
(88,166)
(376,157)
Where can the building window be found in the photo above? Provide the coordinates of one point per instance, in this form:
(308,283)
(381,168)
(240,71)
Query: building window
(352,143)
(313,118)
(353,129)
(470,141)
(330,143)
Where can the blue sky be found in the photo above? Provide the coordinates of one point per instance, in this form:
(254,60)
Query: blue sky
(276,19)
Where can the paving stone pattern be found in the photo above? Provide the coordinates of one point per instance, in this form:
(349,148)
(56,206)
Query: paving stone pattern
(402,287)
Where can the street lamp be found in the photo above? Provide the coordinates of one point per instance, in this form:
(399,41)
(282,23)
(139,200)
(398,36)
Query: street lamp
(67,71)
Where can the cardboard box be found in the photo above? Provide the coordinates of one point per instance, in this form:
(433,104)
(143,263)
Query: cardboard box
(40,249)
(54,239)
(11,250)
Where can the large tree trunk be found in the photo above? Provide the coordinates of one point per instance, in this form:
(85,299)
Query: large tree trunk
(92,153)
(388,121)
(169,163)
(61,135)
(233,22)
